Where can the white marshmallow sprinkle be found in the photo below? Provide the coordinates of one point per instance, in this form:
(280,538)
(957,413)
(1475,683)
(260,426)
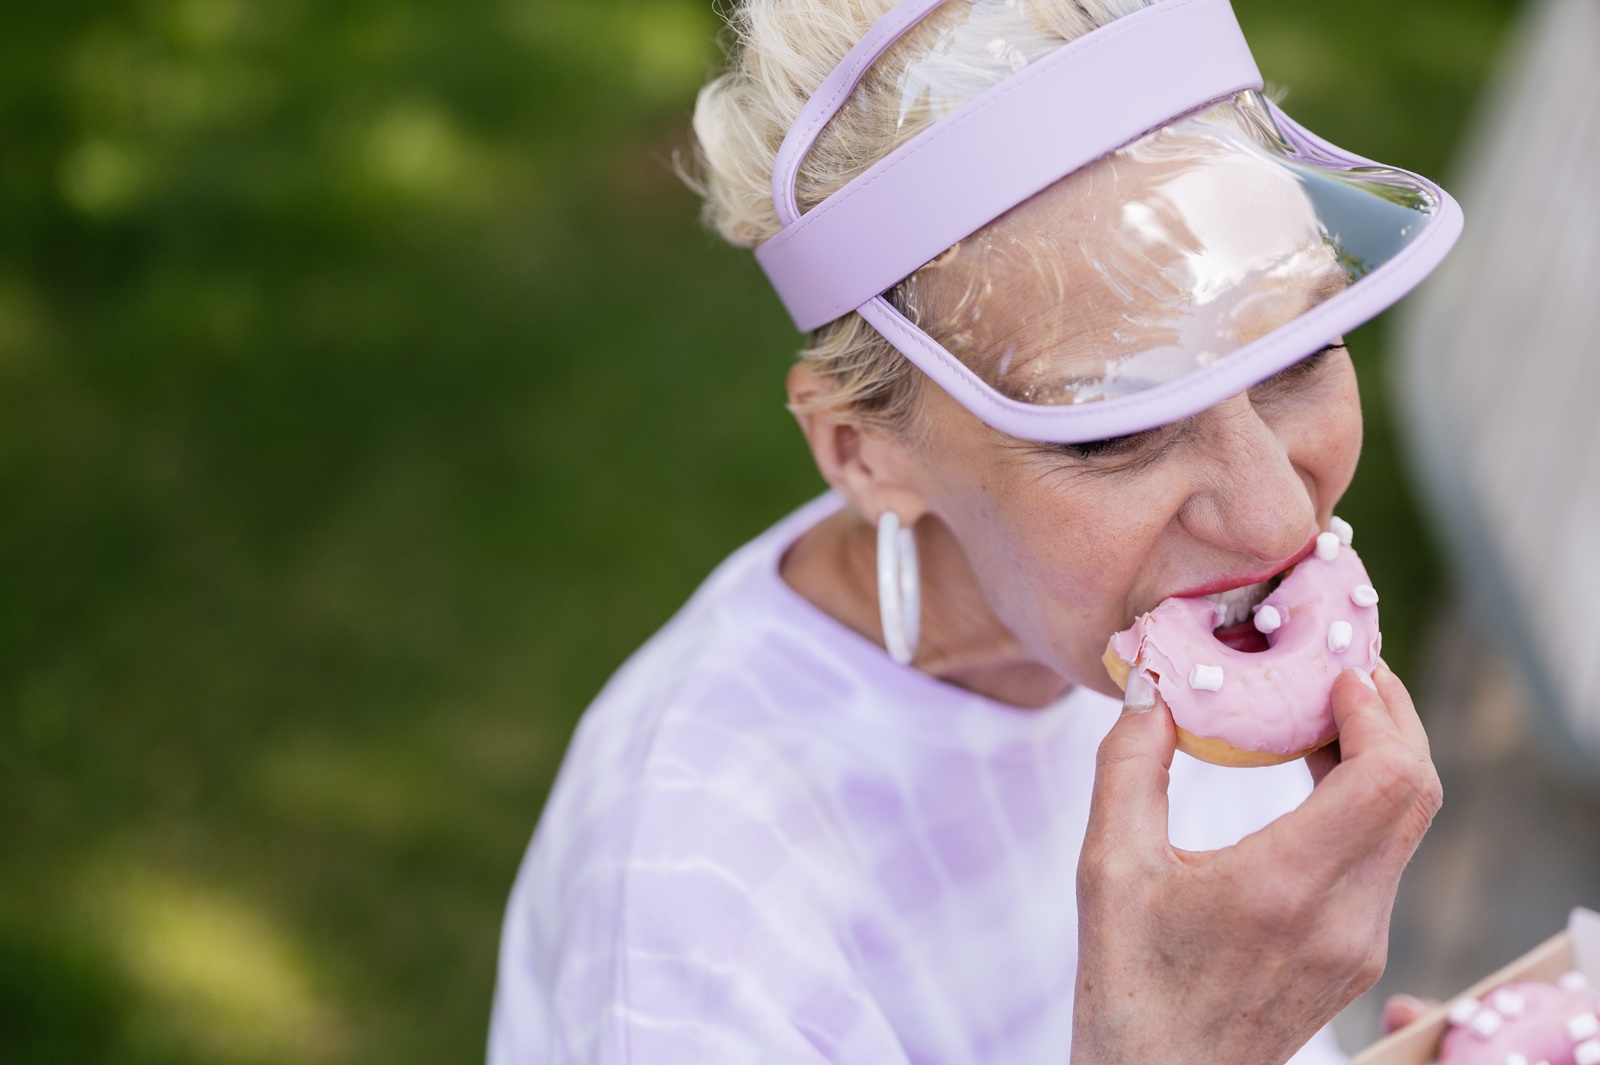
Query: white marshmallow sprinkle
(1327,546)
(1206,678)
(1364,595)
(1486,1023)
(1514,1058)
(1583,1026)
(1462,1010)
(1268,620)
(1343,530)
(1509,1003)
(1340,636)
(1573,981)
(1587,1053)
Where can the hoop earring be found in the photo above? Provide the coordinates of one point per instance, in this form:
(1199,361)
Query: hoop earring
(899,588)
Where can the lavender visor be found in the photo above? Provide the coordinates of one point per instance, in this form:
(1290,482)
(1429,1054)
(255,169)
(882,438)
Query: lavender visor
(1118,235)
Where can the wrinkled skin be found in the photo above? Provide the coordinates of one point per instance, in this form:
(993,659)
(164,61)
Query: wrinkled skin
(1031,557)
(1241,954)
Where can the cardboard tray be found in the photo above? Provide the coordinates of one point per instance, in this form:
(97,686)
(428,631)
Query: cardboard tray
(1576,948)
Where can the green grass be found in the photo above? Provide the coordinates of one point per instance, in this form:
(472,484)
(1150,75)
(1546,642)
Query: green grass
(370,392)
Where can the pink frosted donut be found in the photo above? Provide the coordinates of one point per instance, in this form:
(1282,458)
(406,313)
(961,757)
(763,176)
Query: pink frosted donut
(1525,1023)
(1237,707)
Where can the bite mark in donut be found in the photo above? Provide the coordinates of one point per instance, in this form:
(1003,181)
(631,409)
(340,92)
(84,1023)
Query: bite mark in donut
(1269,705)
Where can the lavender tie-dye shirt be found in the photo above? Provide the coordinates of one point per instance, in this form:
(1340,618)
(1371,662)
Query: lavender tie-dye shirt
(768,843)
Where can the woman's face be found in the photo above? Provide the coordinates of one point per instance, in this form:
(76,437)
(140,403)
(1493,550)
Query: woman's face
(1069,543)
(1181,251)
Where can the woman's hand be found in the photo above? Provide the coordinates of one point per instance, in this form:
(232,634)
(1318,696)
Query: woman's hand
(1240,955)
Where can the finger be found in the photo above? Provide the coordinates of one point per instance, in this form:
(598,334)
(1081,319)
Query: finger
(1401,1010)
(1322,760)
(1402,710)
(1129,804)
(1360,801)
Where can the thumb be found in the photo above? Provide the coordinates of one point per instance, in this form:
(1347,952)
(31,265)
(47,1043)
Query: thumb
(1129,806)
(1401,1010)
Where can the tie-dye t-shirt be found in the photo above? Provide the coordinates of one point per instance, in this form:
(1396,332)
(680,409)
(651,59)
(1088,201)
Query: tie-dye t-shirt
(770,844)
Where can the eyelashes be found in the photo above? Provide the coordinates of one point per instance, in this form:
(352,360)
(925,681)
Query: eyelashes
(1298,371)
(1111,446)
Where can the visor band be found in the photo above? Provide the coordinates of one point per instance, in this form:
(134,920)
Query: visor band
(994,152)
(831,96)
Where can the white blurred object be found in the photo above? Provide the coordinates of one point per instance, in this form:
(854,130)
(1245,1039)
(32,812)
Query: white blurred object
(1498,373)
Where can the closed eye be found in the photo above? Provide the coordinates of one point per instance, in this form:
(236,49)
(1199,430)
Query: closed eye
(1111,446)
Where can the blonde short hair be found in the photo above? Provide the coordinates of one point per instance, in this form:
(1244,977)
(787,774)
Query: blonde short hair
(781,51)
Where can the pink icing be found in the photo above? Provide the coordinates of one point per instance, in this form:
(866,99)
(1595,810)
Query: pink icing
(1275,700)
(1538,1034)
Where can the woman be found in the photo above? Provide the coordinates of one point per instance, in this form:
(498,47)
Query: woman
(868,797)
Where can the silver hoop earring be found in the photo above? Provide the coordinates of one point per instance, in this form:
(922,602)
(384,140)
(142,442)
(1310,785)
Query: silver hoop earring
(899,588)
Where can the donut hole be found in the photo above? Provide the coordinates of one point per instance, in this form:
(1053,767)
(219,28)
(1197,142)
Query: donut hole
(1244,636)
(1241,637)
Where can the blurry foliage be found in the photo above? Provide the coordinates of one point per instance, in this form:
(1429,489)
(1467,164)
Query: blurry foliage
(370,392)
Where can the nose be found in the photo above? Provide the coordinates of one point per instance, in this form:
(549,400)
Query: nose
(1251,497)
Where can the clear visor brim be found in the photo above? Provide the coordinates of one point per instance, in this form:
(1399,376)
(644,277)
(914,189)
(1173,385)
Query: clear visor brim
(1163,258)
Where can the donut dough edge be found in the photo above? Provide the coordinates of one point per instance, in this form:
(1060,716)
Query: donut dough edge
(1205,748)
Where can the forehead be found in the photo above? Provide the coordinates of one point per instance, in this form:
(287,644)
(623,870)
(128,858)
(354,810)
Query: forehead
(1152,261)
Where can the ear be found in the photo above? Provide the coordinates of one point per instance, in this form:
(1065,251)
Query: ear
(875,470)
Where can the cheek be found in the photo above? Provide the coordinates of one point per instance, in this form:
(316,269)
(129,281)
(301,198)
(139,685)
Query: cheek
(1327,446)
(1056,558)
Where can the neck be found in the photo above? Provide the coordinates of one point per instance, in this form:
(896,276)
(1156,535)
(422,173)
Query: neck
(834,566)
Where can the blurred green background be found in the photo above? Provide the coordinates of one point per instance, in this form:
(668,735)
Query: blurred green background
(370,391)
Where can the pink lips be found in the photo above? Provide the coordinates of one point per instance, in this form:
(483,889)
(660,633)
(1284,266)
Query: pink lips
(1227,584)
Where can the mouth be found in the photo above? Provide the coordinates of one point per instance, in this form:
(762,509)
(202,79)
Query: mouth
(1234,601)
(1235,614)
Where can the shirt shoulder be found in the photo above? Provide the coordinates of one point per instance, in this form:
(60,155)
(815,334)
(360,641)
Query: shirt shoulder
(681,897)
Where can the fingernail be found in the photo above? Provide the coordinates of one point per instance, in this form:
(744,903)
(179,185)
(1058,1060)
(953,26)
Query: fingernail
(1384,665)
(1410,1002)
(1366,678)
(1140,695)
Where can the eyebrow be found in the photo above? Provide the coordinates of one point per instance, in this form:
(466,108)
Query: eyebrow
(1332,345)
(1147,384)
(1325,288)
